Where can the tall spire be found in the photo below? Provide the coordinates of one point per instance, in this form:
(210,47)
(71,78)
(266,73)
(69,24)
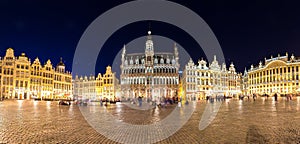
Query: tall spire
(245,72)
(149,32)
(124,50)
(123,54)
(149,42)
(149,35)
(175,50)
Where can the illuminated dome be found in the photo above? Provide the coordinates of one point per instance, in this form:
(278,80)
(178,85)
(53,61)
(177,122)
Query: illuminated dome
(60,63)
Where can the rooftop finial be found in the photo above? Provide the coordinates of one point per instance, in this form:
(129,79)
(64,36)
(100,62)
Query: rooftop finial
(149,30)
(149,35)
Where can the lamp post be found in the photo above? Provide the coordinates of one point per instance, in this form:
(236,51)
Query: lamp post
(181,96)
(1,94)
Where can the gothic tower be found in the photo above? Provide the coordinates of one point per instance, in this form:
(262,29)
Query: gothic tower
(149,50)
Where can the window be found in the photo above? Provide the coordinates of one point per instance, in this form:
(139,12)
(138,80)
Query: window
(149,58)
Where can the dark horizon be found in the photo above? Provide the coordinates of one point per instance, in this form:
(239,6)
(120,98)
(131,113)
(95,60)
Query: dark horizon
(247,31)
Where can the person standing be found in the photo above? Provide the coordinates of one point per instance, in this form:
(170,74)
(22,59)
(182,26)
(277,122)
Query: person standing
(275,96)
(179,104)
(291,96)
(140,101)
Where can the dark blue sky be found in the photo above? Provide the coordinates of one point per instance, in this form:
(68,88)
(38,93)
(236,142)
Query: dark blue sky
(247,31)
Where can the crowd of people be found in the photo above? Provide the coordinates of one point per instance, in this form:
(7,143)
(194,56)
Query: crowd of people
(287,97)
(254,97)
(216,98)
(164,101)
(160,102)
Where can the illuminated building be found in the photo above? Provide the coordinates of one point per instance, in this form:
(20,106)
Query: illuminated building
(84,87)
(102,87)
(151,74)
(62,81)
(199,81)
(22,80)
(107,84)
(180,90)
(276,75)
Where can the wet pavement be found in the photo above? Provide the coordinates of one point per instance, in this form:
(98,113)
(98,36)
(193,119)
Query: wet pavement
(247,121)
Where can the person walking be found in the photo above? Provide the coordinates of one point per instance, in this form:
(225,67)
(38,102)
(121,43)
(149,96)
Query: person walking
(254,97)
(275,97)
(291,96)
(101,103)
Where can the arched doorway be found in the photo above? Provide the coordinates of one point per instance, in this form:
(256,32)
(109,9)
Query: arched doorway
(20,96)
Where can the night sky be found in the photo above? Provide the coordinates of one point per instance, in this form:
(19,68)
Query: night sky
(247,31)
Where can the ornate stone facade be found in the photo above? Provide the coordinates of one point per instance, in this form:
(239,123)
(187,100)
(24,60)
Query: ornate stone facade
(199,81)
(104,86)
(276,75)
(151,75)
(21,79)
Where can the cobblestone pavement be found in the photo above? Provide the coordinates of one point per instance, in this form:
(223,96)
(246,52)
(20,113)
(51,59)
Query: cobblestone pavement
(162,123)
(260,121)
